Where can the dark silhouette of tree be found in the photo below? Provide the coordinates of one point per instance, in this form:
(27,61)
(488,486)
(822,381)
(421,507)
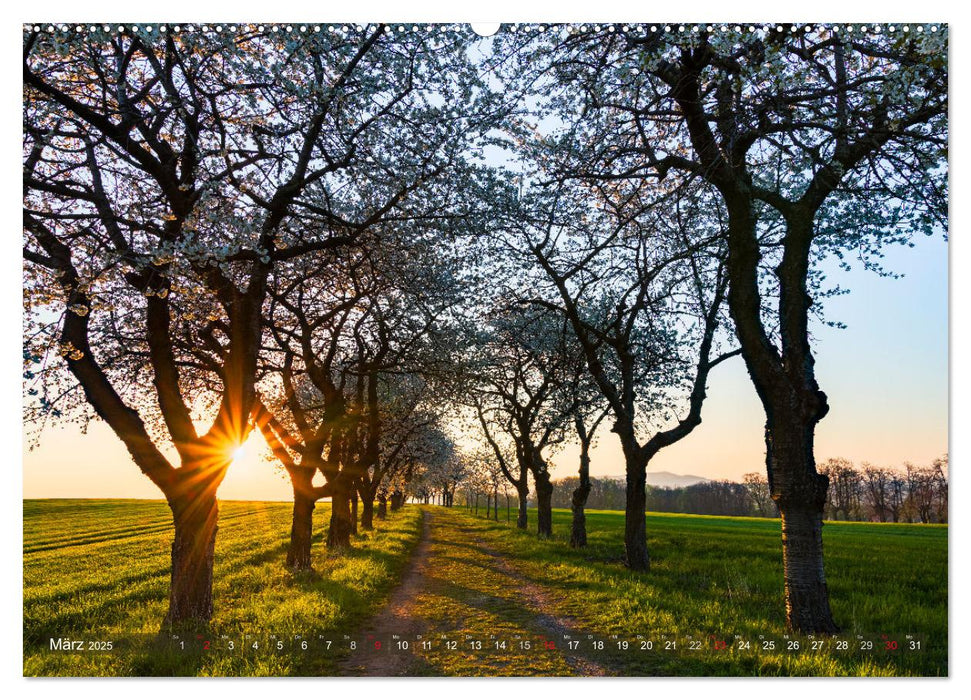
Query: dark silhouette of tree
(589,411)
(876,483)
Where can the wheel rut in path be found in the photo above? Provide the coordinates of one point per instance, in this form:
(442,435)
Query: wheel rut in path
(396,618)
(458,589)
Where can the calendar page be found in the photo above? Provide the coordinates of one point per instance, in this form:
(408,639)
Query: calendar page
(525,349)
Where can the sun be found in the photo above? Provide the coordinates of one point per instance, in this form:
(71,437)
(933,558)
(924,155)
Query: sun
(239,453)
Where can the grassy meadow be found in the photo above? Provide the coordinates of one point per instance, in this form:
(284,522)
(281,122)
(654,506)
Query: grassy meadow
(722,576)
(97,569)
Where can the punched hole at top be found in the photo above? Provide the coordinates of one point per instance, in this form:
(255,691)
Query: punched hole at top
(485,28)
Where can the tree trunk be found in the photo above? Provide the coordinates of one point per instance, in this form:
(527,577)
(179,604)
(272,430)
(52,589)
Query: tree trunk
(397,500)
(301,531)
(578,531)
(544,506)
(523,494)
(800,493)
(635,523)
(354,510)
(367,511)
(193,554)
(341,521)
(382,507)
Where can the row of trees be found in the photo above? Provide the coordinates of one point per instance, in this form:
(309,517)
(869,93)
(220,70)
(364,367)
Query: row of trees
(237,231)
(704,498)
(681,216)
(914,494)
(368,244)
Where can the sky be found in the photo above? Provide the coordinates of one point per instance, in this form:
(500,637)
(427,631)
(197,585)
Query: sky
(886,376)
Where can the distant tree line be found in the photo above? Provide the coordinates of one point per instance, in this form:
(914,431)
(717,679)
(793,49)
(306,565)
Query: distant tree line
(911,494)
(721,497)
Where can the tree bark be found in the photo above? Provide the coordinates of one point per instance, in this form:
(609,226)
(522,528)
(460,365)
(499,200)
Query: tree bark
(354,510)
(544,506)
(301,531)
(367,511)
(635,523)
(193,554)
(800,493)
(578,531)
(382,507)
(523,494)
(786,384)
(341,521)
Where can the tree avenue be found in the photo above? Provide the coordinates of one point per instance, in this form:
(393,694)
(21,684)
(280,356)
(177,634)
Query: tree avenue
(165,178)
(349,338)
(420,263)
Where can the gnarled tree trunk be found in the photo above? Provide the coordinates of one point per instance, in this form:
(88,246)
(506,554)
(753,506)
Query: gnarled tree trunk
(301,530)
(800,493)
(578,502)
(195,514)
(578,530)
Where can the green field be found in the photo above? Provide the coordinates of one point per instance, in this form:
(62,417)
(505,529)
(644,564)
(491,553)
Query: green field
(99,569)
(723,576)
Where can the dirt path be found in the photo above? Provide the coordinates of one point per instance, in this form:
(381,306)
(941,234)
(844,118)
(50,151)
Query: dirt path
(463,609)
(396,618)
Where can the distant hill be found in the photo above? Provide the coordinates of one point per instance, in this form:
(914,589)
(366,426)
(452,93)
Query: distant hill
(665,479)
(671,480)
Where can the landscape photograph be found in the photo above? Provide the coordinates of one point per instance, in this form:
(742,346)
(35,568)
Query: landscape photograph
(445,350)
